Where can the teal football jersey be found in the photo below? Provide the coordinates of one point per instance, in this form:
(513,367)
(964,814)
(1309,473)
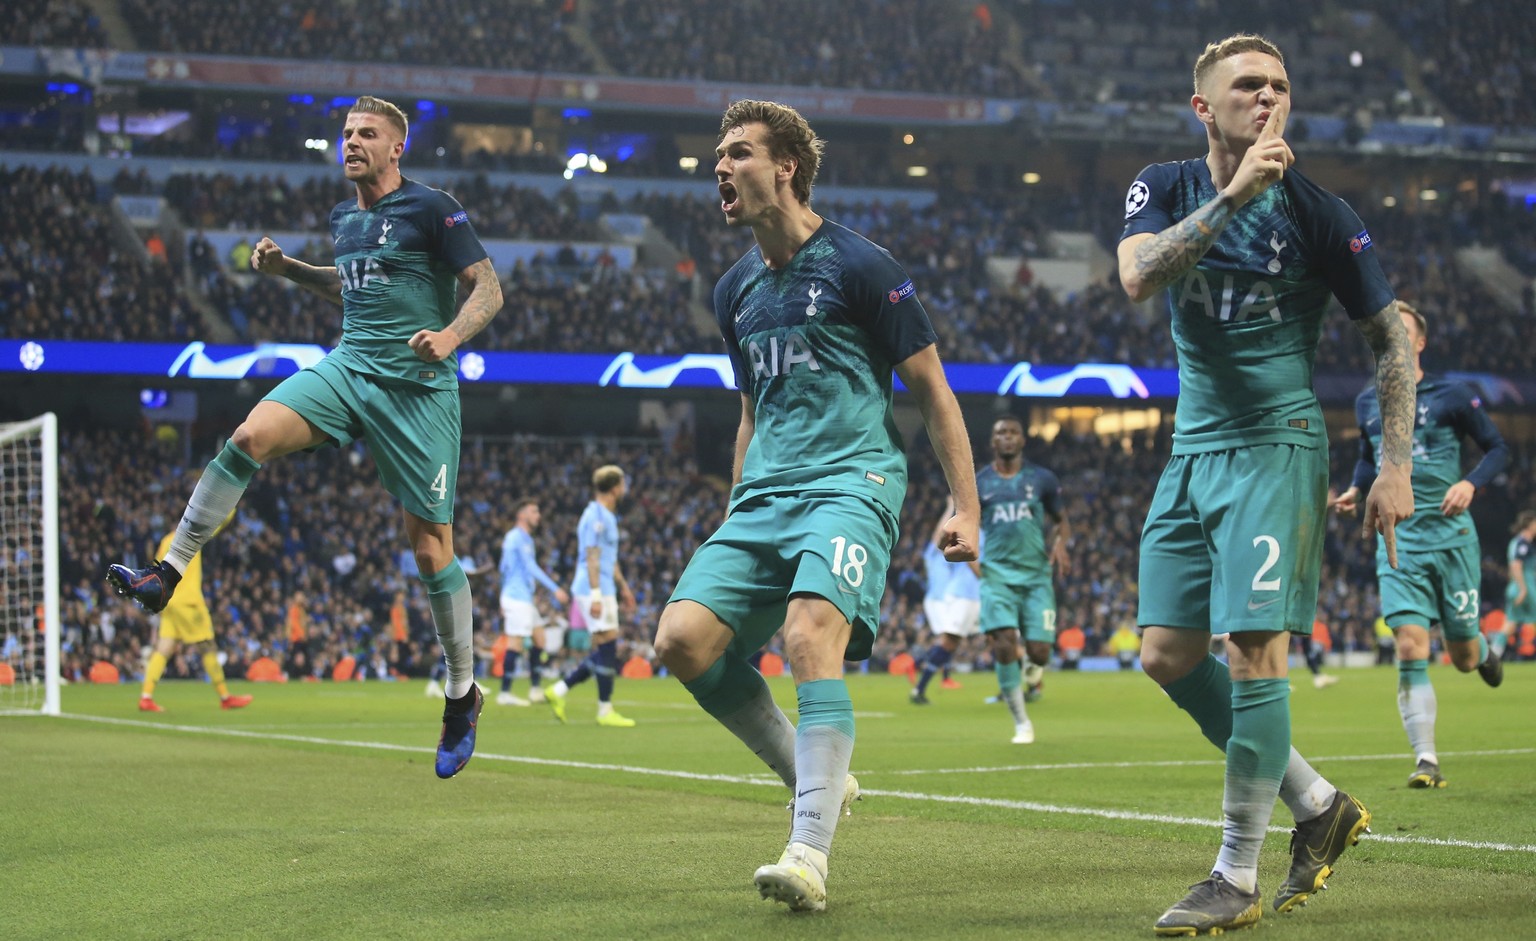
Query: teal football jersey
(1013,517)
(399,262)
(1247,317)
(1446,414)
(1521,550)
(813,346)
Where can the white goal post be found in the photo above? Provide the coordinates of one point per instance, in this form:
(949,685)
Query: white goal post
(29,567)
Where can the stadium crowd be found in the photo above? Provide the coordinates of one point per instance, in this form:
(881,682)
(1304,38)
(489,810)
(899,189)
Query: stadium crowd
(313,566)
(51,23)
(61,277)
(1471,57)
(521,36)
(876,45)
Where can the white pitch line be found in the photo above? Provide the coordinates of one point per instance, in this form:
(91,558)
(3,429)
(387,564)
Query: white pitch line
(1001,803)
(1191,763)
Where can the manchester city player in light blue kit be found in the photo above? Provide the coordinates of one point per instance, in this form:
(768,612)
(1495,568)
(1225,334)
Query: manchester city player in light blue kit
(402,252)
(815,319)
(951,605)
(1018,599)
(1441,571)
(1250,255)
(520,618)
(599,588)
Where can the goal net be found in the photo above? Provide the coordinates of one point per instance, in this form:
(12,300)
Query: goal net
(29,566)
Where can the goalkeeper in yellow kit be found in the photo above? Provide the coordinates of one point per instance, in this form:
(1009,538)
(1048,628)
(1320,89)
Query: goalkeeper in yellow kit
(185,620)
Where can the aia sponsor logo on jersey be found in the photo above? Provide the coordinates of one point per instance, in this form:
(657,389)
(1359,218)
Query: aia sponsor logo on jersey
(1360,243)
(459,218)
(901,293)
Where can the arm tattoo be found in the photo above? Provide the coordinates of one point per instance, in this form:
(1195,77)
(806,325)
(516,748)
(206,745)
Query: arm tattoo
(1395,384)
(1163,258)
(483,302)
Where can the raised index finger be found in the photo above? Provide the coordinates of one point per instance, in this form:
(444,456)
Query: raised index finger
(1274,128)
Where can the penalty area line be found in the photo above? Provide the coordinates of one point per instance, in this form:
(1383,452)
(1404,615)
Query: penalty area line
(758,781)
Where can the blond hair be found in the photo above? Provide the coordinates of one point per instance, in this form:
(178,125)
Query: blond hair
(607,477)
(1418,318)
(789,135)
(367,104)
(1234,45)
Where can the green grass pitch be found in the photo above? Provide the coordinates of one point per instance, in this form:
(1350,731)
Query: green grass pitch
(314,813)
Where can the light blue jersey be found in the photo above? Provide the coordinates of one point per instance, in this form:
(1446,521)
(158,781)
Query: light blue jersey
(963,583)
(935,572)
(520,567)
(599,528)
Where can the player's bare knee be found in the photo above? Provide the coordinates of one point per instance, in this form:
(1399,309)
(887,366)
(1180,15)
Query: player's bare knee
(679,645)
(248,438)
(428,560)
(1039,652)
(1464,657)
(1167,664)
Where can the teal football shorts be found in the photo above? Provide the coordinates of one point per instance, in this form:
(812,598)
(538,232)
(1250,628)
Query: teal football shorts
(1031,609)
(412,431)
(831,544)
(1234,540)
(1433,587)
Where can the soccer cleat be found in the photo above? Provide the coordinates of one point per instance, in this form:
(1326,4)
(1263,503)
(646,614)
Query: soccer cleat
(507,699)
(1491,670)
(612,720)
(148,704)
(798,879)
(1316,845)
(1323,679)
(1024,734)
(434,689)
(536,695)
(1426,775)
(993,700)
(851,793)
(1211,907)
(457,742)
(234,702)
(918,697)
(1033,693)
(556,702)
(150,587)
(951,683)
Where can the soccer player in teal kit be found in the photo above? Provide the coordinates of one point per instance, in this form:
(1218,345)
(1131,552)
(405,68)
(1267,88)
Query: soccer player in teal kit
(1441,570)
(815,319)
(1520,594)
(1018,598)
(402,251)
(1249,253)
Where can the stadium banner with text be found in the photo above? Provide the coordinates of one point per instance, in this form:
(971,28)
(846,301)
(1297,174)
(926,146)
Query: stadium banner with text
(199,360)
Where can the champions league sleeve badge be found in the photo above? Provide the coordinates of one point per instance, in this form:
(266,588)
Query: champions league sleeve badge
(1137,198)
